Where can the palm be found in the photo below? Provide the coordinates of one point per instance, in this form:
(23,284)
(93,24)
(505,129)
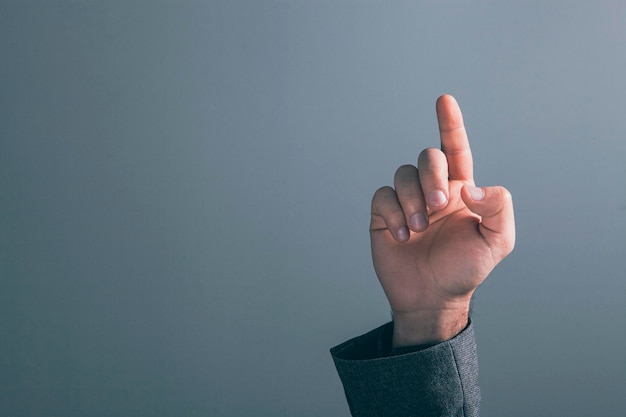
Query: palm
(445,262)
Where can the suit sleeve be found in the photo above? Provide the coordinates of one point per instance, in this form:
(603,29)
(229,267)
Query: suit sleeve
(440,380)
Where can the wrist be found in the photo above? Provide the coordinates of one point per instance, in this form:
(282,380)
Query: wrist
(428,326)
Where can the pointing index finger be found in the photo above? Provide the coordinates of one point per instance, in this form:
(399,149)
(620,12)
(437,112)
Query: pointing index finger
(454,142)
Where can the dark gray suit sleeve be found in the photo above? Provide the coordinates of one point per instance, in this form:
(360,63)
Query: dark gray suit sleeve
(439,381)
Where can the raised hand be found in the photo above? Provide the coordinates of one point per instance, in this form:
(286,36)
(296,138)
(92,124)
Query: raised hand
(436,236)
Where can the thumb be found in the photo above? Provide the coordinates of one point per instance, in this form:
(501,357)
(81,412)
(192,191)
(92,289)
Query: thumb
(495,207)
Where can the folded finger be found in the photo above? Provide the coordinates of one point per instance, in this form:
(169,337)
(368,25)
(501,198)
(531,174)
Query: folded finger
(433,176)
(387,214)
(411,198)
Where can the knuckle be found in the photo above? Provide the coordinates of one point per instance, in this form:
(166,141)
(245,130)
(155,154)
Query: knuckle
(430,159)
(381,195)
(404,169)
(429,153)
(382,192)
(503,194)
(405,175)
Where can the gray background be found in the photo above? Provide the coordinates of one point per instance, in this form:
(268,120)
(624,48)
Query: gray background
(185,190)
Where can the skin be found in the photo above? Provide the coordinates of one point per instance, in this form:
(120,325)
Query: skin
(436,236)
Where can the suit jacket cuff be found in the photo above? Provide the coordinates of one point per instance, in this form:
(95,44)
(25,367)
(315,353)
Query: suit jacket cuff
(434,380)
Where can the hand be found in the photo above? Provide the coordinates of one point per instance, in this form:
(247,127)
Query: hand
(436,237)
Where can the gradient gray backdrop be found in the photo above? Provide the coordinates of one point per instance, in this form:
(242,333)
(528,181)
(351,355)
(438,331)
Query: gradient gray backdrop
(185,189)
